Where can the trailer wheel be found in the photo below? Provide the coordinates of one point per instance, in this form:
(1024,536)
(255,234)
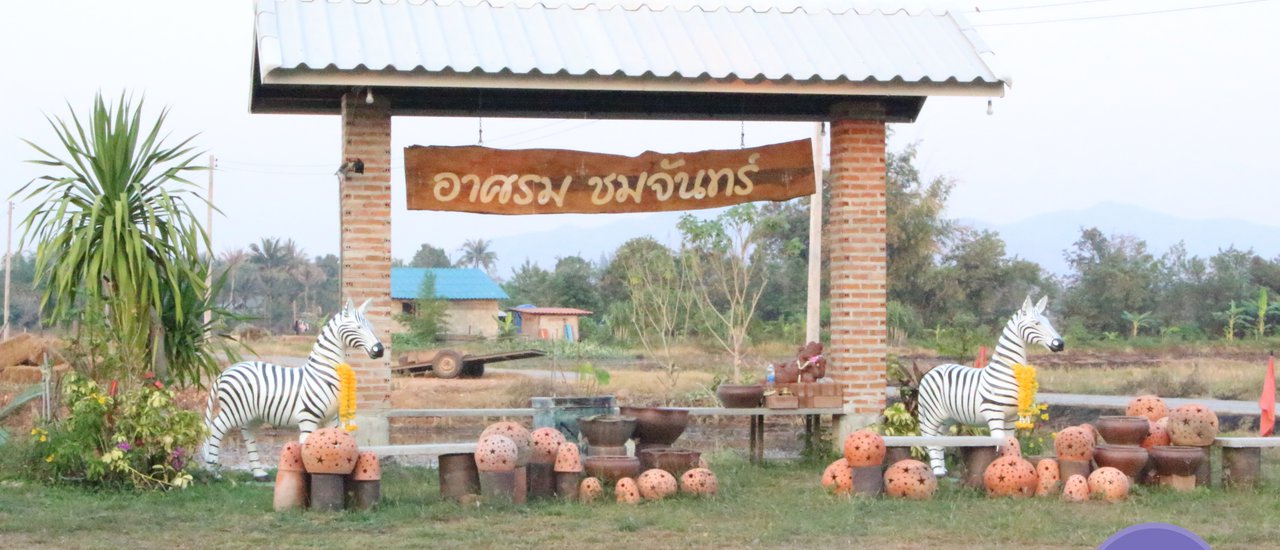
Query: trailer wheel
(473,369)
(447,364)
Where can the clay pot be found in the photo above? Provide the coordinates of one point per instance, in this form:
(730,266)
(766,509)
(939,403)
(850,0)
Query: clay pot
(1193,425)
(607,430)
(699,481)
(674,461)
(1150,407)
(657,484)
(1074,443)
(518,434)
(291,458)
(1068,468)
(628,492)
(367,468)
(1047,477)
(568,459)
(744,396)
(610,469)
(910,479)
(1011,447)
(1109,484)
(1129,459)
(1177,460)
(1076,489)
(1158,434)
(864,448)
(1123,430)
(546,442)
(1010,476)
(589,490)
(329,451)
(459,475)
(655,425)
(838,478)
(496,453)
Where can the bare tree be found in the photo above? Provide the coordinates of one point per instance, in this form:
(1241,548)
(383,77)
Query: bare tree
(660,301)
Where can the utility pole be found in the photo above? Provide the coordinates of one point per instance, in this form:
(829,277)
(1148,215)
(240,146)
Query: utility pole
(812,330)
(208,227)
(8,269)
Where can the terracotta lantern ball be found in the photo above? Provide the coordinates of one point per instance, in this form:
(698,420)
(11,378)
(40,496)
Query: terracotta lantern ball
(628,492)
(1157,434)
(1048,477)
(838,477)
(864,448)
(291,458)
(496,453)
(589,490)
(1076,489)
(1193,425)
(1093,433)
(1074,443)
(700,481)
(1150,407)
(518,434)
(910,479)
(1109,484)
(657,484)
(329,451)
(568,459)
(546,443)
(1010,476)
(367,468)
(1011,447)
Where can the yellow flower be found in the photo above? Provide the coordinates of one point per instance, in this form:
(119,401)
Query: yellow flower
(1044,417)
(48,458)
(35,431)
(102,400)
(43,438)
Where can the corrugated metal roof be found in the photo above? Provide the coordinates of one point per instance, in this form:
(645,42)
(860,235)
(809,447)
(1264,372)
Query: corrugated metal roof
(550,311)
(451,283)
(778,43)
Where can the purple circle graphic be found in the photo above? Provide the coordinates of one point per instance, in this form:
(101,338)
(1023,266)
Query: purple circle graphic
(1164,536)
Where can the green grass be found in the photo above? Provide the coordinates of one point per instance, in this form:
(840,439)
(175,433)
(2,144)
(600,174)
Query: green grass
(778,506)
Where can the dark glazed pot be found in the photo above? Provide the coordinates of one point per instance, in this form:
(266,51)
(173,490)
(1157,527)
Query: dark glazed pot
(740,396)
(658,425)
(1123,430)
(675,461)
(1177,460)
(611,468)
(607,430)
(1130,459)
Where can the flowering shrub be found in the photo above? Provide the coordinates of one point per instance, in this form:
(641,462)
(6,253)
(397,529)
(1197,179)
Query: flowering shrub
(137,438)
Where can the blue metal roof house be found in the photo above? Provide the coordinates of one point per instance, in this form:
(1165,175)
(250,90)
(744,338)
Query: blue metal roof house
(473,297)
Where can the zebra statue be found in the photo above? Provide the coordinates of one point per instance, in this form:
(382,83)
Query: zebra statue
(252,393)
(984,396)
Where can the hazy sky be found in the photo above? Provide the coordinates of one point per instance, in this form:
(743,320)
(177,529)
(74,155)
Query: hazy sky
(1174,111)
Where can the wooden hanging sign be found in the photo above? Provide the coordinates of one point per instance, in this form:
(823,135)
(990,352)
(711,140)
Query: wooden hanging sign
(555,181)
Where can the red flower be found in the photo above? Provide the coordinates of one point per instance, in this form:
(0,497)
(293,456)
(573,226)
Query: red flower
(159,385)
(149,375)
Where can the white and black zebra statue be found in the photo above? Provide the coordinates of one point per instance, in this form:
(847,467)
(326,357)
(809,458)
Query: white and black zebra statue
(252,393)
(989,396)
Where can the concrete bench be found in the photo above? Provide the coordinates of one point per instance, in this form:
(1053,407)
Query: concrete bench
(431,449)
(1242,459)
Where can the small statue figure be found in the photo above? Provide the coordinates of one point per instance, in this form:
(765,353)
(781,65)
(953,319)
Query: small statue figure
(808,366)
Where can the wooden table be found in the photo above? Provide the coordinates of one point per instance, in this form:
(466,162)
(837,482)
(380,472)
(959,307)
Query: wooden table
(812,422)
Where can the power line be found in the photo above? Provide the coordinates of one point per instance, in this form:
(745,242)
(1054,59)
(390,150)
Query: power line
(1117,15)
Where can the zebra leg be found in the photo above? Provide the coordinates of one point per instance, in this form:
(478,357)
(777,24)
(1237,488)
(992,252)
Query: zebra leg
(251,445)
(305,427)
(212,446)
(998,427)
(931,427)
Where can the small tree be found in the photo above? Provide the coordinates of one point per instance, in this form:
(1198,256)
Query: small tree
(660,301)
(427,322)
(1230,318)
(1137,321)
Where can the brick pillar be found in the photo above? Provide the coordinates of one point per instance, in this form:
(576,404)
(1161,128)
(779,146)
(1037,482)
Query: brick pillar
(856,233)
(365,206)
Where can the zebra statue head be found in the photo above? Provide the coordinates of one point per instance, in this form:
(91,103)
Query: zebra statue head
(1035,328)
(356,331)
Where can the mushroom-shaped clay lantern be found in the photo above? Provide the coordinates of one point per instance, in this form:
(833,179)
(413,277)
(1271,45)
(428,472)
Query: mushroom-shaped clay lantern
(291,479)
(864,448)
(910,479)
(546,443)
(838,477)
(657,484)
(1047,477)
(367,479)
(1011,447)
(496,453)
(1010,476)
(589,490)
(1157,434)
(1109,483)
(1074,443)
(568,458)
(627,491)
(699,481)
(1150,407)
(1076,489)
(518,434)
(1193,425)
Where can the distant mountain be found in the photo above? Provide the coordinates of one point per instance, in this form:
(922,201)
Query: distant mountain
(1044,239)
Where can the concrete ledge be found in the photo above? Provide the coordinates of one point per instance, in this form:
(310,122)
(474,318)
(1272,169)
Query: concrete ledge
(483,413)
(434,449)
(1246,442)
(942,441)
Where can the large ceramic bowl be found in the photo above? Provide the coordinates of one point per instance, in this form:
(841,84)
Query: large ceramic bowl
(674,461)
(607,430)
(611,468)
(656,425)
(740,396)
(1123,430)
(1130,459)
(1177,460)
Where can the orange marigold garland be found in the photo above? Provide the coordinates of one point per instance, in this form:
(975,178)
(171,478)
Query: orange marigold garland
(1027,386)
(346,396)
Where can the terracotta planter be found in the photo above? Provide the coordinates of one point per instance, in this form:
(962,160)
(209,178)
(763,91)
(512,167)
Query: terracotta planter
(745,396)
(1123,430)
(976,461)
(1130,459)
(658,425)
(1177,460)
(674,461)
(459,476)
(610,469)
(1068,468)
(607,430)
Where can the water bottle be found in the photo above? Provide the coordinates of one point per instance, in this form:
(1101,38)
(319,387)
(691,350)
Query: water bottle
(769,376)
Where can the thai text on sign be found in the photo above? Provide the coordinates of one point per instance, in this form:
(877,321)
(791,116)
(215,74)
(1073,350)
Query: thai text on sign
(553,181)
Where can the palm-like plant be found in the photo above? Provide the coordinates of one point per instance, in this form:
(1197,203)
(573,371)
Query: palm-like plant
(117,240)
(1140,320)
(476,253)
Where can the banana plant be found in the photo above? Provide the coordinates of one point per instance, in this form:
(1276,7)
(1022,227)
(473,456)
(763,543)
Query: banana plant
(1233,315)
(1137,321)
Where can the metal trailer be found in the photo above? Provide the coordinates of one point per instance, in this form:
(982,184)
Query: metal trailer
(449,363)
